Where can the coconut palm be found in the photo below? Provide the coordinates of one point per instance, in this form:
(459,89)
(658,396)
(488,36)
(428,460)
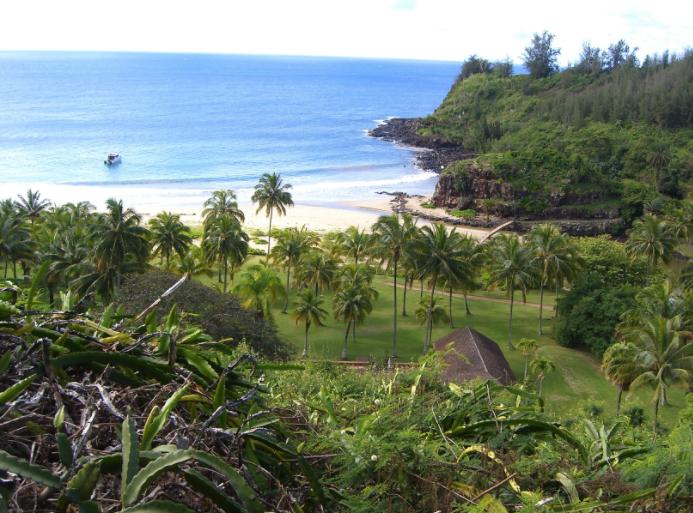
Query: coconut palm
(429,313)
(291,245)
(193,263)
(317,270)
(653,238)
(15,241)
(308,310)
(66,256)
(225,242)
(271,194)
(620,366)
(119,236)
(554,255)
(391,237)
(665,356)
(438,253)
(540,367)
(32,205)
(351,305)
(512,266)
(527,346)
(681,221)
(355,243)
(219,204)
(260,287)
(460,273)
(169,236)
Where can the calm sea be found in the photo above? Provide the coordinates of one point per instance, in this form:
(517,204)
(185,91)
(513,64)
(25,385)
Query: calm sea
(189,124)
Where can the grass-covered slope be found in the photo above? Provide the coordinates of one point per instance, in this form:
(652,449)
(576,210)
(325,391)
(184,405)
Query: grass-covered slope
(612,140)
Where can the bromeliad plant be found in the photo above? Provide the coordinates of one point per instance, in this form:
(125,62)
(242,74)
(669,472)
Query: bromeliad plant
(176,414)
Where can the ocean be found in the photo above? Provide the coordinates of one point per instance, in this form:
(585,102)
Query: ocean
(188,124)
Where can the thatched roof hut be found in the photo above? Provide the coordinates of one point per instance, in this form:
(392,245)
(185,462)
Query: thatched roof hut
(473,356)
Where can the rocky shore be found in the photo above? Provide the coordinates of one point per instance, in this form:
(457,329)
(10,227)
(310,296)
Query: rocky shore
(430,154)
(573,215)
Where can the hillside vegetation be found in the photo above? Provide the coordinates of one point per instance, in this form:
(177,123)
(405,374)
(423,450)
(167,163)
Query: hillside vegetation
(592,141)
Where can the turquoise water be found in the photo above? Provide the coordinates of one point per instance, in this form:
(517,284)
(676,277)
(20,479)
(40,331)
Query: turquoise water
(189,124)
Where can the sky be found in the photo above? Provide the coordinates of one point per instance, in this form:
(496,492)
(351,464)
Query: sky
(407,29)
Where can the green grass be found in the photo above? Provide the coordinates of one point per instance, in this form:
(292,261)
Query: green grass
(575,384)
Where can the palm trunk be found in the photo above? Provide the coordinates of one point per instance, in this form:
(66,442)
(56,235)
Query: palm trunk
(14,269)
(305,342)
(467,311)
(353,332)
(452,325)
(555,299)
(5,275)
(269,237)
(394,310)
(618,400)
(225,272)
(404,296)
(219,273)
(288,276)
(664,395)
(421,289)
(51,297)
(429,330)
(510,318)
(541,304)
(168,262)
(654,422)
(541,386)
(346,339)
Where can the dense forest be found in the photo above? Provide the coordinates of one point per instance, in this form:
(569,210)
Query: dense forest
(598,139)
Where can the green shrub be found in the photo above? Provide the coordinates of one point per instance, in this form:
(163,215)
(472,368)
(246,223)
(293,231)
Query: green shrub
(428,204)
(468,213)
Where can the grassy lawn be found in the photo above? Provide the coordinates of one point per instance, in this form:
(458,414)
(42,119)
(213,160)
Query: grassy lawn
(576,384)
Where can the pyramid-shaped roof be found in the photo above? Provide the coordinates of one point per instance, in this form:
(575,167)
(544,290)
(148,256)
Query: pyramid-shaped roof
(473,356)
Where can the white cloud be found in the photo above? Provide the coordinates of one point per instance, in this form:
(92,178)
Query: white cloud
(423,29)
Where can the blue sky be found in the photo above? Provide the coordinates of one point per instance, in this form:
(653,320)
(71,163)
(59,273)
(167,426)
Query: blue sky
(413,29)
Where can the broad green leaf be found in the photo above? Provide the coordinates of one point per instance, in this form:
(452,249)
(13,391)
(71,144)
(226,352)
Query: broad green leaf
(11,393)
(131,455)
(28,470)
(219,400)
(5,360)
(59,419)
(202,485)
(173,459)
(149,425)
(64,449)
(148,367)
(157,423)
(199,363)
(81,486)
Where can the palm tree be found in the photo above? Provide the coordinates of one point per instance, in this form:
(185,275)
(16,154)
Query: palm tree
(317,270)
(527,346)
(227,243)
(32,205)
(438,254)
(169,235)
(652,238)
(222,203)
(460,273)
(272,194)
(67,254)
(355,243)
(308,310)
(511,266)
(665,356)
(15,241)
(554,255)
(119,235)
(193,263)
(620,366)
(541,366)
(430,314)
(291,245)
(391,238)
(261,287)
(351,305)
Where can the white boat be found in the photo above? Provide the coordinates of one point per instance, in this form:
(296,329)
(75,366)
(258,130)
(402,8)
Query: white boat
(112,158)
